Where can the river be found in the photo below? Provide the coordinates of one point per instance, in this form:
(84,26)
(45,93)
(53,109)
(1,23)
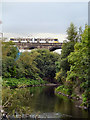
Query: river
(42,102)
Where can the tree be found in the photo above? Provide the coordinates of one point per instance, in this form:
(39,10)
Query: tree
(26,65)
(79,65)
(46,64)
(79,58)
(9,53)
(72,33)
(80,34)
(67,48)
(9,49)
(7,66)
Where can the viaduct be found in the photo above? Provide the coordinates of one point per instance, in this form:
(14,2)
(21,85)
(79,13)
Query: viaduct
(29,46)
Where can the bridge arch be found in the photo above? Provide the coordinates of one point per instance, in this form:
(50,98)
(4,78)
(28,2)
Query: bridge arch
(29,47)
(55,48)
(33,47)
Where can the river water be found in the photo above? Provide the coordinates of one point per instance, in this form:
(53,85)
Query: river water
(42,102)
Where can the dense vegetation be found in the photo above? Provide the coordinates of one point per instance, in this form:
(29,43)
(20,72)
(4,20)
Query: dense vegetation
(35,67)
(73,66)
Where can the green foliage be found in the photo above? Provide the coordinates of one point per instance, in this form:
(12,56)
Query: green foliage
(67,48)
(36,65)
(57,64)
(62,89)
(72,33)
(46,63)
(13,82)
(7,66)
(75,63)
(59,88)
(9,49)
(26,65)
(85,100)
(79,64)
(80,34)
(58,77)
(9,53)
(79,60)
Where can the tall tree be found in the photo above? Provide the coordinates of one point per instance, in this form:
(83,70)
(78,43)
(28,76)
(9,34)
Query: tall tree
(67,48)
(80,34)
(72,33)
(79,65)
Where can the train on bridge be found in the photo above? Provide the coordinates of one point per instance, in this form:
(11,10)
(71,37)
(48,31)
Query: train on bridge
(37,43)
(34,40)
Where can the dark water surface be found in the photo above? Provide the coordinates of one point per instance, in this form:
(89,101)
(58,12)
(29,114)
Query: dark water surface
(42,102)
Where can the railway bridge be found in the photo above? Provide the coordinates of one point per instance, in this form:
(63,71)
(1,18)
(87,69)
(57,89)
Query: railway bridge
(29,46)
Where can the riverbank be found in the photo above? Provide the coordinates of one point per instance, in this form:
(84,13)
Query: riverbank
(63,91)
(46,84)
(22,82)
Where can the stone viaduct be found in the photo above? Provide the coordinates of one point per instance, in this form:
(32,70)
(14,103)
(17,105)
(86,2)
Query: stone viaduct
(29,46)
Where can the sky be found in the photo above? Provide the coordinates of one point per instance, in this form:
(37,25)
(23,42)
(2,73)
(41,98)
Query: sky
(45,0)
(42,17)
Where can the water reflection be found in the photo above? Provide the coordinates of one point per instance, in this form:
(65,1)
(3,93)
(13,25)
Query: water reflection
(40,101)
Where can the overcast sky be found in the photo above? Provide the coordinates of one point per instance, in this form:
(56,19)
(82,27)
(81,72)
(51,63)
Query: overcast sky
(27,17)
